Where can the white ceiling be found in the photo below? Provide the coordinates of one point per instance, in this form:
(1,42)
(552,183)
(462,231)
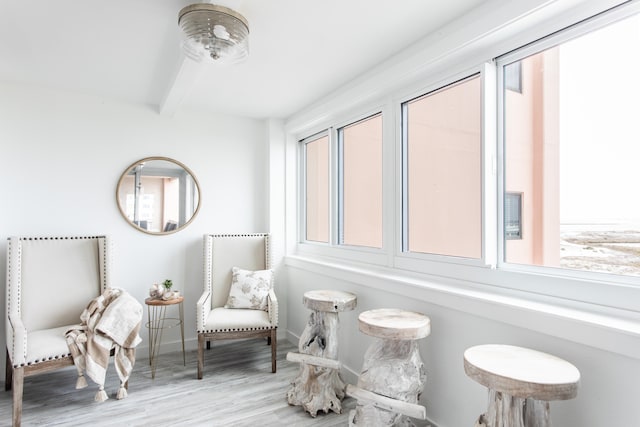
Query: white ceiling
(129,50)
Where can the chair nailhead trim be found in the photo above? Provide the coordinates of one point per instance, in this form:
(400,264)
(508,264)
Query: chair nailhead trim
(35,362)
(239,329)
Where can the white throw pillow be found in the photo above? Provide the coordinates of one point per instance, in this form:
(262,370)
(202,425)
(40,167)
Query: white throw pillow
(249,289)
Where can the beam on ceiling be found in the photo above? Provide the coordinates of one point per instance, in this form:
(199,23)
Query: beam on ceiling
(187,74)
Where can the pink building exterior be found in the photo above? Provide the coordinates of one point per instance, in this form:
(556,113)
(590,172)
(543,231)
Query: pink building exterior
(444,170)
(532,157)
(317,190)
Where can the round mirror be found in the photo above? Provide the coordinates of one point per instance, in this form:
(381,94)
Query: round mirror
(158,195)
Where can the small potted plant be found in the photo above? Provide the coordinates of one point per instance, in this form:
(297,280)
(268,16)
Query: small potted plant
(168,293)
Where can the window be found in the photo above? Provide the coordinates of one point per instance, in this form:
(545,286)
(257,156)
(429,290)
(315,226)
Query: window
(317,188)
(512,178)
(571,149)
(513,216)
(513,77)
(442,174)
(559,199)
(360,178)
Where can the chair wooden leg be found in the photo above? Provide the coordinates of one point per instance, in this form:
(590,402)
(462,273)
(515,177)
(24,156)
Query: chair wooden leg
(274,343)
(201,355)
(8,373)
(17,383)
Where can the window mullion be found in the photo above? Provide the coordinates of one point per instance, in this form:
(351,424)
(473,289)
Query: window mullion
(404,117)
(334,192)
(489,147)
(339,189)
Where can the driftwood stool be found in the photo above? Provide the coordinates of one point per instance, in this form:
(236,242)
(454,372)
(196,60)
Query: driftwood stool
(393,375)
(318,385)
(521,383)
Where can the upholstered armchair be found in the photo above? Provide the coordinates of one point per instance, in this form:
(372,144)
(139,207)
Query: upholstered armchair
(238,300)
(50,280)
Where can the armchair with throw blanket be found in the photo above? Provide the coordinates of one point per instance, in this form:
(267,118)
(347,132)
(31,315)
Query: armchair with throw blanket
(50,281)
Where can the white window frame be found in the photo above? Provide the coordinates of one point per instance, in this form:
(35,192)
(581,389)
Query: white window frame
(340,181)
(593,287)
(302,205)
(377,256)
(434,263)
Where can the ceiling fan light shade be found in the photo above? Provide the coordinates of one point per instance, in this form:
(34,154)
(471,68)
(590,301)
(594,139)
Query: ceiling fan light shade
(213,33)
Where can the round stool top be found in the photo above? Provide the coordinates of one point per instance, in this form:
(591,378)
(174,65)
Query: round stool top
(521,372)
(329,300)
(395,324)
(160,301)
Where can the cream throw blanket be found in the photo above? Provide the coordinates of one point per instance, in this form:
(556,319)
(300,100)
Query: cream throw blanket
(110,321)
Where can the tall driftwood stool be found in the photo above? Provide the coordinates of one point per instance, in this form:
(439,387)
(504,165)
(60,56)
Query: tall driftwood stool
(393,376)
(318,385)
(521,383)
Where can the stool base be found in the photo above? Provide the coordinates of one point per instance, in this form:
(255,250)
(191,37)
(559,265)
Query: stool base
(508,411)
(318,388)
(392,368)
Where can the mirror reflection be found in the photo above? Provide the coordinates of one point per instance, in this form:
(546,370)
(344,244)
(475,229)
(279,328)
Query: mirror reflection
(158,195)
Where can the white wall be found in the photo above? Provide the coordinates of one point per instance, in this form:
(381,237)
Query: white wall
(62,155)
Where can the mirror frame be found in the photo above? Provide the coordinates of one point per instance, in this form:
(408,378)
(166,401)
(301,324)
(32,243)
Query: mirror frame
(168,159)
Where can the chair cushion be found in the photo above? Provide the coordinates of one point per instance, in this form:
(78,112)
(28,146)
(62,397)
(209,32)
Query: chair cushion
(223,319)
(249,289)
(47,344)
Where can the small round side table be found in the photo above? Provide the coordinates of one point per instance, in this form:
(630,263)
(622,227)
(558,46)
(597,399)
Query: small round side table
(521,383)
(156,310)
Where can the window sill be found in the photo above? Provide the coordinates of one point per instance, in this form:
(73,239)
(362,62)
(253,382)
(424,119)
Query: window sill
(606,328)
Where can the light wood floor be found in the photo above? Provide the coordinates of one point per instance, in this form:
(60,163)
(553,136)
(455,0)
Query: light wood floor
(238,389)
